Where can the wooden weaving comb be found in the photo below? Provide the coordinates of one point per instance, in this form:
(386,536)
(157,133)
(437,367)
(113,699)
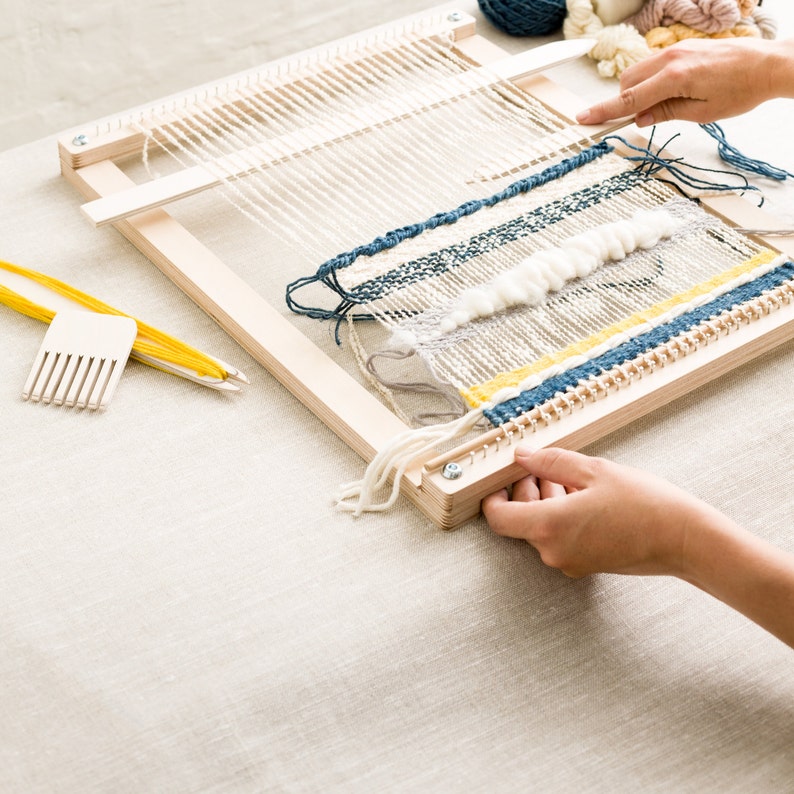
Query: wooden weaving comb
(81,359)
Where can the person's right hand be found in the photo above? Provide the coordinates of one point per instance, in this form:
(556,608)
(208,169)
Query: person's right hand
(700,80)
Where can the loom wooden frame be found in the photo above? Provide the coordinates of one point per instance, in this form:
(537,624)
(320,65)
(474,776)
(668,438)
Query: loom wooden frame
(348,408)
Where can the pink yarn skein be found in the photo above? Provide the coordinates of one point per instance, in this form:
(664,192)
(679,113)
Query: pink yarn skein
(708,16)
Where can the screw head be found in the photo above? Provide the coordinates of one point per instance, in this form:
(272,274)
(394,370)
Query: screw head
(455,16)
(80,140)
(452,471)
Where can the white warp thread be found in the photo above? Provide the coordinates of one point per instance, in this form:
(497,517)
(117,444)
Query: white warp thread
(528,283)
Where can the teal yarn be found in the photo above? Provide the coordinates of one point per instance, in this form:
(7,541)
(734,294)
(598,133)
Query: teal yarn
(525,17)
(730,154)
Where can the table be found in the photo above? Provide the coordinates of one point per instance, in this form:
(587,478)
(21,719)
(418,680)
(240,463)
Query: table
(184,610)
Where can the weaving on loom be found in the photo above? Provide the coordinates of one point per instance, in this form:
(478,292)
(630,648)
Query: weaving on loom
(521,268)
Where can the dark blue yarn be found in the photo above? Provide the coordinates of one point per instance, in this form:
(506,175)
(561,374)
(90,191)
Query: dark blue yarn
(730,154)
(395,237)
(650,162)
(326,273)
(635,347)
(525,17)
(457,254)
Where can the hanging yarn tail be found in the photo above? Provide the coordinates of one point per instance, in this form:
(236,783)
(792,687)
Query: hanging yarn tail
(731,155)
(651,163)
(395,459)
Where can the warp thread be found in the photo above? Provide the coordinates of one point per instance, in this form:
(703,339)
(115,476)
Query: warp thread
(407,447)
(326,273)
(528,283)
(649,163)
(498,413)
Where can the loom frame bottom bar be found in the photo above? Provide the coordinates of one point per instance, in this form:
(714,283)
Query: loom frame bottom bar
(352,412)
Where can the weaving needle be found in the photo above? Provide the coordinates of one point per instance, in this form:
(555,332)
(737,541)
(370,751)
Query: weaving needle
(219,384)
(768,232)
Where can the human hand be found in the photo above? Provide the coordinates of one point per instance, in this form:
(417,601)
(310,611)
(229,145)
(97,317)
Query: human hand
(586,515)
(700,80)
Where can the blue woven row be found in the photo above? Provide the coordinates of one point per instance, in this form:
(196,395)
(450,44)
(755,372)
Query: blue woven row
(326,273)
(455,255)
(635,347)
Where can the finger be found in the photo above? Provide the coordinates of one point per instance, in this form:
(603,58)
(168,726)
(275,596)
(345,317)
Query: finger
(493,501)
(634,100)
(684,109)
(570,469)
(526,490)
(504,517)
(549,489)
(643,70)
(614,108)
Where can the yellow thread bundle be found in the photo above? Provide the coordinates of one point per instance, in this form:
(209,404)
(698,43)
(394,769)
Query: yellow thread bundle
(149,342)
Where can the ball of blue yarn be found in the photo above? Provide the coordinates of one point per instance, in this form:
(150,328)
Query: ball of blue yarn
(525,17)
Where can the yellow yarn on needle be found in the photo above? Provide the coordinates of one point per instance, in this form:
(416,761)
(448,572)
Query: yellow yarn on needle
(149,342)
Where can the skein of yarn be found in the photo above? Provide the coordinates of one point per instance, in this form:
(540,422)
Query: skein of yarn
(708,16)
(524,18)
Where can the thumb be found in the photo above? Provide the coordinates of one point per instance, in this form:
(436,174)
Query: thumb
(571,469)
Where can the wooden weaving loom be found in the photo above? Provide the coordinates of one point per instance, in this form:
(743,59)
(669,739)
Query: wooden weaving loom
(447,484)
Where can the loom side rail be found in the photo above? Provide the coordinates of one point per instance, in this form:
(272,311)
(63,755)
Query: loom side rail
(330,392)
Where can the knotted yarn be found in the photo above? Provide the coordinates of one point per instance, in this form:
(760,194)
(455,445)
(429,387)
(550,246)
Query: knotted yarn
(525,17)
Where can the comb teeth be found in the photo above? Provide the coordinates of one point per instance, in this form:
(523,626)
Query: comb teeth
(81,360)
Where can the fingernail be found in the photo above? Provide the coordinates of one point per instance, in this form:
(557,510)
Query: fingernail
(524,451)
(644,120)
(583,117)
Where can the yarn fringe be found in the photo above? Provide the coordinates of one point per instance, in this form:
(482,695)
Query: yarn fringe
(406,448)
(650,162)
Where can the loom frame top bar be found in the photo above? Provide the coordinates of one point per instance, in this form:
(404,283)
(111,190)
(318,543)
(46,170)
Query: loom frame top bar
(345,406)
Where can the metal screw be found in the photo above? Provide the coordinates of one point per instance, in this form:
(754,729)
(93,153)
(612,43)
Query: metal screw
(455,16)
(452,471)
(80,140)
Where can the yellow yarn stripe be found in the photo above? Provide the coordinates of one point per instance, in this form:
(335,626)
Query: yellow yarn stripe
(150,341)
(480,393)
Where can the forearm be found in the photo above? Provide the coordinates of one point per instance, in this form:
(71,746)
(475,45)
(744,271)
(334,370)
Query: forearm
(781,68)
(744,572)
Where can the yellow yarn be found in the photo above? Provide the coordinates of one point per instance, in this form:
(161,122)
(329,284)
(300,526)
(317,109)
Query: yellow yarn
(659,38)
(149,342)
(477,395)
